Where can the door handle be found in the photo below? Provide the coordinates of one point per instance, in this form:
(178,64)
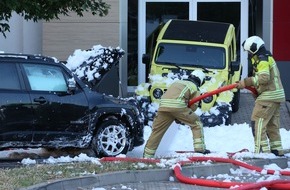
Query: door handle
(40,100)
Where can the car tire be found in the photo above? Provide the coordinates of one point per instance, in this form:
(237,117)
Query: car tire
(228,120)
(111,139)
(236,101)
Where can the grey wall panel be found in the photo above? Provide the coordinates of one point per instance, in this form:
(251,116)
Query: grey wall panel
(284,67)
(61,37)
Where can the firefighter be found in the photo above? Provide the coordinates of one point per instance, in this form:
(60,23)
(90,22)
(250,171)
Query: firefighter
(174,107)
(270,93)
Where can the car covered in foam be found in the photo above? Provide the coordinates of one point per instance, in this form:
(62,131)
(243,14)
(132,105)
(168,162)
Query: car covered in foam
(184,46)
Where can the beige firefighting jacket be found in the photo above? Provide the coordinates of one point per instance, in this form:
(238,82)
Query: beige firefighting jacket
(266,79)
(178,95)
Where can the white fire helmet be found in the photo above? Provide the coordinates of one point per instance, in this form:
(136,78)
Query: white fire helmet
(197,76)
(253,44)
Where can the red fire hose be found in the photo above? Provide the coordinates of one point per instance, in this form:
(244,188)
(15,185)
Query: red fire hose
(219,90)
(274,184)
(252,89)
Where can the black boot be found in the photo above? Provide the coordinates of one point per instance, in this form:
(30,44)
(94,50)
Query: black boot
(277,153)
(205,151)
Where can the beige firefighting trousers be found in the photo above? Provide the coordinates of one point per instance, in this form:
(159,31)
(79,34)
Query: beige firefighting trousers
(266,116)
(164,118)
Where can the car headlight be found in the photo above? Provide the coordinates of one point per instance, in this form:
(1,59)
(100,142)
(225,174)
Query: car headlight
(157,93)
(208,99)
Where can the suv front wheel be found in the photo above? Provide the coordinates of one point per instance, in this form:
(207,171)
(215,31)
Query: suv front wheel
(111,139)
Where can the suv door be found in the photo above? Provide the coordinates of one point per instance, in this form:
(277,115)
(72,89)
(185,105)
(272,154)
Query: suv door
(60,116)
(16,113)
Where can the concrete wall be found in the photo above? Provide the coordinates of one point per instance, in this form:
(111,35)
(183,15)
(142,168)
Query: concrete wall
(62,37)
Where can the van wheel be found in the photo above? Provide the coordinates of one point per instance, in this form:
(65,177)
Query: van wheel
(236,101)
(111,139)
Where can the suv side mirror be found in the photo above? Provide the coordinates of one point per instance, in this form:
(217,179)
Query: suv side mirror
(71,85)
(146,59)
(235,66)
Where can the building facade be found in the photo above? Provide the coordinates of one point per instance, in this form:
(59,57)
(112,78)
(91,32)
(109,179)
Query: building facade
(132,23)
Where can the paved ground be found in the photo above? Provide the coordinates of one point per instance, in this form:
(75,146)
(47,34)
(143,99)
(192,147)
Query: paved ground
(159,179)
(246,107)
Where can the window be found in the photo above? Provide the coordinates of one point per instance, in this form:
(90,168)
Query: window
(221,12)
(156,13)
(9,77)
(191,55)
(45,77)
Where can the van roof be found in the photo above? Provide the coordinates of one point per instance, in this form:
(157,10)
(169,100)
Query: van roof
(203,31)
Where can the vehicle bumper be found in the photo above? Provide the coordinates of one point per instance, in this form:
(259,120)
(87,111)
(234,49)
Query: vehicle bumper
(144,104)
(138,141)
(139,133)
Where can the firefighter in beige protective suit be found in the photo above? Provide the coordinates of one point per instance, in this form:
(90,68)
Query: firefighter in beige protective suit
(266,113)
(174,107)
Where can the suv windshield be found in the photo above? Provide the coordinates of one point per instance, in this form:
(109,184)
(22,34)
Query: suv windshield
(190,55)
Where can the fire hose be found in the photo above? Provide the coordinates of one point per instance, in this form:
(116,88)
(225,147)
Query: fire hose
(217,91)
(274,184)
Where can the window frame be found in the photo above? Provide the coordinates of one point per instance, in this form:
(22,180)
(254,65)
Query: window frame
(17,77)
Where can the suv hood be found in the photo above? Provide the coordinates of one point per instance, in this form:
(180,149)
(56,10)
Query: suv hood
(129,103)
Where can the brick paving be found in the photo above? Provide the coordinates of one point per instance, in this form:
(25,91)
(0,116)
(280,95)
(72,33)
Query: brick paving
(246,107)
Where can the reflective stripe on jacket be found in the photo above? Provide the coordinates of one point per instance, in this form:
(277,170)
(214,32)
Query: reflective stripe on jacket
(179,94)
(266,79)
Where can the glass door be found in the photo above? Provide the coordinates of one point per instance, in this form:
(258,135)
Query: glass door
(229,11)
(156,13)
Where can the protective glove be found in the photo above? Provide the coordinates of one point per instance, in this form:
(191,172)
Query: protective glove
(241,84)
(194,106)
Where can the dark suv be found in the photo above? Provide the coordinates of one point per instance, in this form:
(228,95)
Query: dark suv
(42,104)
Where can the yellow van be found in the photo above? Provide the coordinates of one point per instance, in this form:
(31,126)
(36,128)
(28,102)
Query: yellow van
(183,46)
